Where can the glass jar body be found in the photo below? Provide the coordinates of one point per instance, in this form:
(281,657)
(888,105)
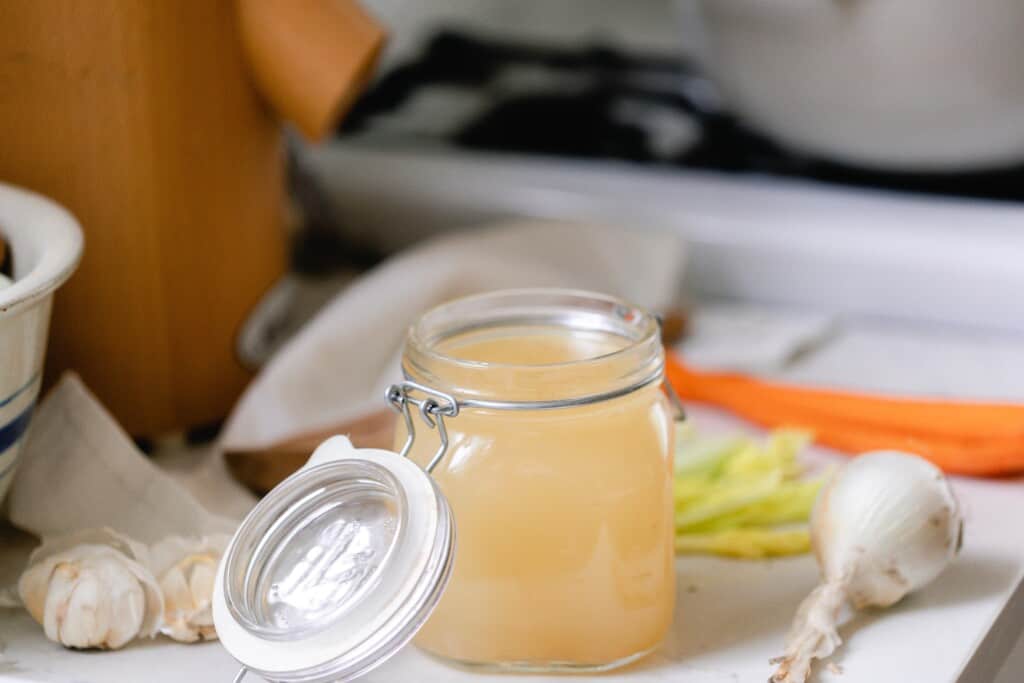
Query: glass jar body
(564,515)
(564,522)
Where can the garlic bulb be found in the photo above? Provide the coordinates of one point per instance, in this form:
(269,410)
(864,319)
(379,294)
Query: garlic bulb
(885,525)
(186,569)
(91,590)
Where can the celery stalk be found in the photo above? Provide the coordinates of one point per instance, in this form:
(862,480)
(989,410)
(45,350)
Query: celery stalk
(733,494)
(746,543)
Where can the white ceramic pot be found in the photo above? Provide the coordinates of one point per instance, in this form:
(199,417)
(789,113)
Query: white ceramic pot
(46,244)
(917,85)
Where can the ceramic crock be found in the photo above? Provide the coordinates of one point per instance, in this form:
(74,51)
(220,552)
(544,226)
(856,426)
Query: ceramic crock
(45,243)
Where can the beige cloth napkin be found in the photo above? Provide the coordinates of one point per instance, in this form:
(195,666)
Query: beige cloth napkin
(337,367)
(79,470)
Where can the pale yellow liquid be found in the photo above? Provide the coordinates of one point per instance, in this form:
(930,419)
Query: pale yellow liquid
(564,521)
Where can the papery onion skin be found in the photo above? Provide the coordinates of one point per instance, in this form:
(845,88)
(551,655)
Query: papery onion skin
(886,524)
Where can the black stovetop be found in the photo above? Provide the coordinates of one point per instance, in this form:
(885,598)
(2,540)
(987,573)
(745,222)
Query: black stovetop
(601,103)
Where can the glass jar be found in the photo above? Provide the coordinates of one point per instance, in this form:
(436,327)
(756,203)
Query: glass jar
(558,471)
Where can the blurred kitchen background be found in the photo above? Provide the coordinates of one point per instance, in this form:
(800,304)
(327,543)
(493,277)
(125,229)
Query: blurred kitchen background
(876,170)
(878,179)
(847,177)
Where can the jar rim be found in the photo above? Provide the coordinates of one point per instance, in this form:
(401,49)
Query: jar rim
(640,356)
(651,327)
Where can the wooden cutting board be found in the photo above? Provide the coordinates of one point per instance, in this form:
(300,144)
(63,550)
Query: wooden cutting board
(158,124)
(262,470)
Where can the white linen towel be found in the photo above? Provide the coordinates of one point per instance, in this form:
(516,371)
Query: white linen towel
(337,367)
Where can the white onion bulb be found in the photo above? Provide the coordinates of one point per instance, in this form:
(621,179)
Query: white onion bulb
(885,525)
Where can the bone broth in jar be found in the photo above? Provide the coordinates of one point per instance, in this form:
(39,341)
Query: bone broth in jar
(558,471)
(523,521)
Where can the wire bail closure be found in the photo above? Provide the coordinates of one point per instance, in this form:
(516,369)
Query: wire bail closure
(433,408)
(437,405)
(675,401)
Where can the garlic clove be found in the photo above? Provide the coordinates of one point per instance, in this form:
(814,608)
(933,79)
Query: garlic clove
(177,595)
(179,607)
(203,575)
(52,611)
(78,611)
(153,598)
(33,588)
(187,569)
(86,616)
(91,596)
(127,601)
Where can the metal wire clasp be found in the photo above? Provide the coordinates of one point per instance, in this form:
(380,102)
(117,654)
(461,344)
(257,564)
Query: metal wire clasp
(674,400)
(433,408)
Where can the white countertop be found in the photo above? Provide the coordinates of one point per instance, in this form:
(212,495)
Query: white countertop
(731,617)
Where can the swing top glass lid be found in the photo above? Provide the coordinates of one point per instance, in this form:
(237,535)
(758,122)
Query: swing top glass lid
(336,568)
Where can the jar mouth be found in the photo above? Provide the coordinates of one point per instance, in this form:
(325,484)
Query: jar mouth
(612,342)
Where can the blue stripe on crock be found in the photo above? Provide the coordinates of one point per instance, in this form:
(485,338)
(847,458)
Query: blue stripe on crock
(11,432)
(21,390)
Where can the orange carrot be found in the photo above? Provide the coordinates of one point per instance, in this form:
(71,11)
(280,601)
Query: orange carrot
(954,418)
(963,437)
